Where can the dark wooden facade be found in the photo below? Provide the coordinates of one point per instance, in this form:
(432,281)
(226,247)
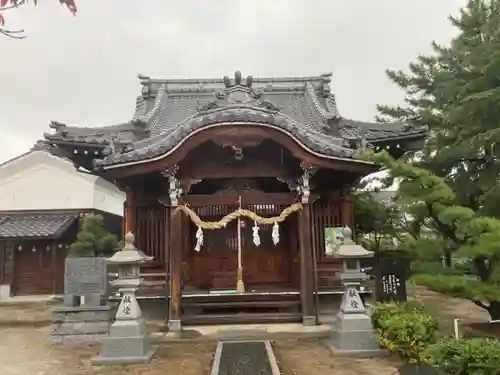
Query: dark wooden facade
(33,254)
(208,143)
(35,266)
(267,179)
(150,220)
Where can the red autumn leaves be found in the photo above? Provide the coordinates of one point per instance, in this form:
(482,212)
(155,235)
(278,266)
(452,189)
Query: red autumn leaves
(12,4)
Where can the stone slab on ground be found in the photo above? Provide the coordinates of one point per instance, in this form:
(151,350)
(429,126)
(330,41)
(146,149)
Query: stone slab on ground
(244,358)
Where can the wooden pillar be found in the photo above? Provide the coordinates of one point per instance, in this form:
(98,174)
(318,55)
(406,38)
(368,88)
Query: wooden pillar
(306,274)
(55,268)
(175,260)
(346,209)
(166,256)
(305,249)
(175,251)
(128,217)
(10,267)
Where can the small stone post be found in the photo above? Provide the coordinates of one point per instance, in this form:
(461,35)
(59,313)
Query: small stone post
(353,334)
(127,342)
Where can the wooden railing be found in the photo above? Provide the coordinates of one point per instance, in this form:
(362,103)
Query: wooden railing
(325,214)
(151,231)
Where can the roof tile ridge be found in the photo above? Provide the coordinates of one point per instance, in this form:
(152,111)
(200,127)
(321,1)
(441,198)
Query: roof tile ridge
(63,130)
(159,137)
(384,126)
(179,125)
(153,112)
(315,132)
(196,81)
(311,94)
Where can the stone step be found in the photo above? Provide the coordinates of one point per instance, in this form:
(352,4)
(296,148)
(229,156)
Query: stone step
(232,318)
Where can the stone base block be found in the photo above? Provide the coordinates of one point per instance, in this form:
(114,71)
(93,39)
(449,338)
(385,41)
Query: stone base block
(79,324)
(76,339)
(354,340)
(308,320)
(355,344)
(353,322)
(358,353)
(174,325)
(81,328)
(354,336)
(124,350)
(5,292)
(128,328)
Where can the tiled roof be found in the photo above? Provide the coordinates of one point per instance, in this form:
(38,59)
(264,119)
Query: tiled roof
(24,225)
(169,110)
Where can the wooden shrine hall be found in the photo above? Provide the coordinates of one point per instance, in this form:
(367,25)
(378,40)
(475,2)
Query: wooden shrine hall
(230,185)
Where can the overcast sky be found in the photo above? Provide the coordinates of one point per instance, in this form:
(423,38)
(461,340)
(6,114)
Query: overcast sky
(83,70)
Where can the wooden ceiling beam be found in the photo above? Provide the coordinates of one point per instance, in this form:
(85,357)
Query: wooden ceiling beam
(213,170)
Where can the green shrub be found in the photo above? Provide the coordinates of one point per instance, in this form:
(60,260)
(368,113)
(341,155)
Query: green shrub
(406,330)
(459,286)
(478,356)
(433,268)
(465,266)
(384,311)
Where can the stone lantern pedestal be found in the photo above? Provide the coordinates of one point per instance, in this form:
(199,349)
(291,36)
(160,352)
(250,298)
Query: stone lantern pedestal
(353,334)
(127,342)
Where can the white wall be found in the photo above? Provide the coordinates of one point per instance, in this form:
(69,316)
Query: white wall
(40,181)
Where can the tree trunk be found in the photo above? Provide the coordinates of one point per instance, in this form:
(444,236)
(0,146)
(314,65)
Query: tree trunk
(494,310)
(447,258)
(482,269)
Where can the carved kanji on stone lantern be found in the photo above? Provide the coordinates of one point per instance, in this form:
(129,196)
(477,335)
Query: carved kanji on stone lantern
(128,339)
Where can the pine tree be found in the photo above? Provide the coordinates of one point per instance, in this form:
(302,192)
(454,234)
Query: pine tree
(456,92)
(470,234)
(379,221)
(93,239)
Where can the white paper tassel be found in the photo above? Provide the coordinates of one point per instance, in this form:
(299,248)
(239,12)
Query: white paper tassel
(276,233)
(199,239)
(256,237)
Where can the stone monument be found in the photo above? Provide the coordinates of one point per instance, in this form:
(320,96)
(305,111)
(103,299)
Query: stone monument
(127,342)
(391,274)
(84,321)
(85,281)
(353,334)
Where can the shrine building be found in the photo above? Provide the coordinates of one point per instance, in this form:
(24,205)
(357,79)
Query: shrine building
(274,154)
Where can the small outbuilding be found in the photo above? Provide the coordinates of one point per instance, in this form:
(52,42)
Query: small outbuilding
(42,200)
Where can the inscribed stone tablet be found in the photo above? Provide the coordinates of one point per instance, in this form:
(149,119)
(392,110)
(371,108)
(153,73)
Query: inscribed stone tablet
(391,274)
(85,276)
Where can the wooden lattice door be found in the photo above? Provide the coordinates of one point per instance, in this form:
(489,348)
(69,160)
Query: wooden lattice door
(215,265)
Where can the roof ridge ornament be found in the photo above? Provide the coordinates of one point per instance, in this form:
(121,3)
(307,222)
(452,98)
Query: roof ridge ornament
(237,81)
(238,94)
(56,125)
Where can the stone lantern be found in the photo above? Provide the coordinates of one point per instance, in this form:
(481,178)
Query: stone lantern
(353,333)
(127,342)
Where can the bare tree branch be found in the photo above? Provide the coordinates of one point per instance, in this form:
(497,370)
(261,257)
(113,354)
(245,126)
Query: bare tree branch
(14,34)
(13,4)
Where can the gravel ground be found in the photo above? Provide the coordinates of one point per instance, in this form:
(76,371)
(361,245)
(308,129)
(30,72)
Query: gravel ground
(23,329)
(23,352)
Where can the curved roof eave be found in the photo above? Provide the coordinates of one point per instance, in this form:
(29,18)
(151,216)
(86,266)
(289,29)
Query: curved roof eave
(163,154)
